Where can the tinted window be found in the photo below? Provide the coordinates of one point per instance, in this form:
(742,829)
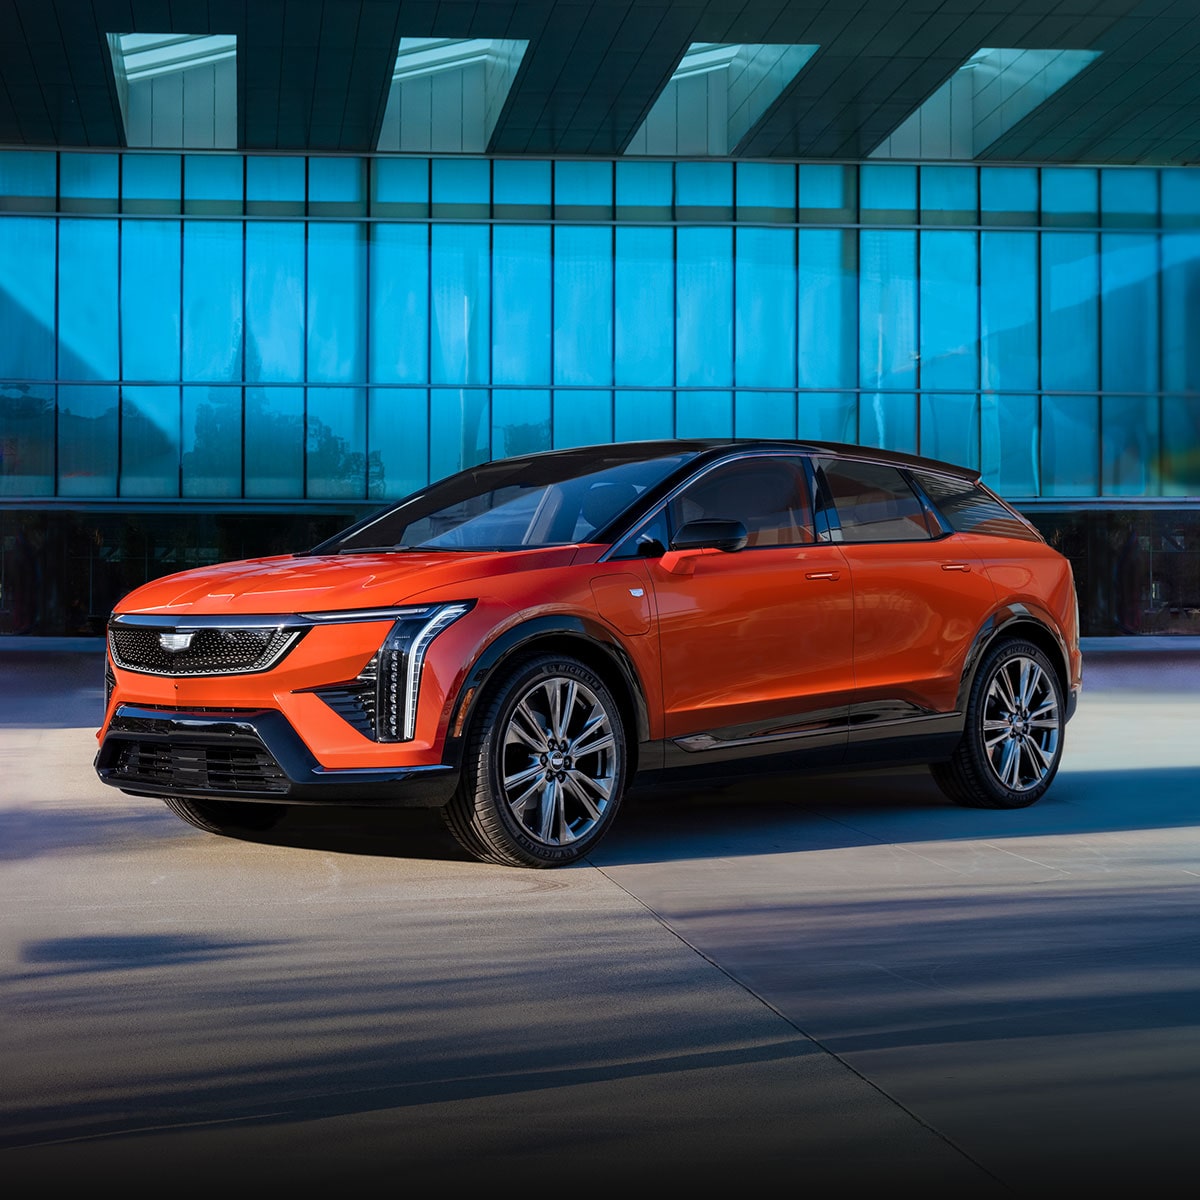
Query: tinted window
(768,495)
(866,502)
(967,508)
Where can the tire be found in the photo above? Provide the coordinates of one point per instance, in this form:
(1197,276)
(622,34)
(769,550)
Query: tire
(1012,741)
(229,817)
(543,769)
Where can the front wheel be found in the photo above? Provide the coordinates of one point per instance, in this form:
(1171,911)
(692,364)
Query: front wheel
(1013,738)
(231,817)
(544,767)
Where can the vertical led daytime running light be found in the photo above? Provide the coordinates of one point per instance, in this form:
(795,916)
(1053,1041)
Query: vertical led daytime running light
(416,660)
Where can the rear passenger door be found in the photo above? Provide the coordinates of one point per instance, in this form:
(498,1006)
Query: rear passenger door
(920,596)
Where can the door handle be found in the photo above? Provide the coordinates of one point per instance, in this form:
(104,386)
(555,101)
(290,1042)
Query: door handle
(822,575)
(956,566)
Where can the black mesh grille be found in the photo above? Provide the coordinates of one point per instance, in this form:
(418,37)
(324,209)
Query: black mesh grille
(183,767)
(212,651)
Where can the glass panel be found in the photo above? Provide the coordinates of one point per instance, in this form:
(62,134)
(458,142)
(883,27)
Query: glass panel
(521,289)
(520,422)
(399,305)
(827,416)
(949,308)
(949,196)
(582,418)
(212,183)
(337,187)
(398,429)
(1008,195)
(1010,434)
(872,503)
(87,441)
(26,439)
(828,308)
(766,192)
(888,420)
(765,311)
(520,189)
(764,414)
(950,429)
(151,183)
(640,416)
(274,442)
(1070,320)
(1069,195)
(27,297)
(400,187)
(888,308)
(703,414)
(1129,445)
(1008,270)
(828,193)
(150,441)
(337,289)
(274,301)
(583,191)
(1129,312)
(459,289)
(887,194)
(644,341)
(212,300)
(583,305)
(150,330)
(704,191)
(645,191)
(462,188)
(336,464)
(27,180)
(704,307)
(274,186)
(87,182)
(212,441)
(1181,312)
(88,345)
(1070,445)
(459,430)
(1129,197)
(1180,439)
(1180,189)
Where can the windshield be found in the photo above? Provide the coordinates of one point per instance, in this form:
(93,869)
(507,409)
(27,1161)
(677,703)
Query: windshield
(514,504)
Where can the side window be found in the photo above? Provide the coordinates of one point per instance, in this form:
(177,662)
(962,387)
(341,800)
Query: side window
(768,495)
(967,508)
(649,540)
(866,502)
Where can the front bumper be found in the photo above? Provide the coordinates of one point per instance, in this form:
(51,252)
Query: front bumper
(248,755)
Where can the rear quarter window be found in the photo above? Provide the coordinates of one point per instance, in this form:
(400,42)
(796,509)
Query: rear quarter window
(967,508)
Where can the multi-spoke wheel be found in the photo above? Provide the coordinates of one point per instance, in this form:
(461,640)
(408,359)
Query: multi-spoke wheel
(544,768)
(1012,742)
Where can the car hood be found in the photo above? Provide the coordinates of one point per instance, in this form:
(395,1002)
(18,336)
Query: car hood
(289,584)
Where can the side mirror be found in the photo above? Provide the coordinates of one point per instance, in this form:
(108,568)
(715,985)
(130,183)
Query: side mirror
(710,535)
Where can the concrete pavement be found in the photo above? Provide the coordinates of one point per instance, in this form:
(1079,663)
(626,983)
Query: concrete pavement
(832,981)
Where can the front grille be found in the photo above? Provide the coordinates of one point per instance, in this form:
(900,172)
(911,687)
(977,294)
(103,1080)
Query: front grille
(212,650)
(183,767)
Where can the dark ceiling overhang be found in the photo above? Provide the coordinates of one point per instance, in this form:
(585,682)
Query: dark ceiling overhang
(315,74)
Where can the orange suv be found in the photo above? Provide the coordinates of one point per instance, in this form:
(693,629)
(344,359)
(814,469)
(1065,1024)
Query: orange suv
(515,642)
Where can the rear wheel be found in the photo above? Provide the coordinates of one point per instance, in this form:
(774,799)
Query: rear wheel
(544,767)
(226,816)
(1013,738)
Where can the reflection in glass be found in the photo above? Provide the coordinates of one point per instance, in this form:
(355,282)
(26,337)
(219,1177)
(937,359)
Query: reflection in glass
(150,317)
(274,442)
(87,441)
(1010,437)
(1070,445)
(460,427)
(644,332)
(1181,445)
(827,328)
(827,416)
(398,429)
(1069,195)
(27,297)
(521,286)
(887,194)
(639,416)
(1070,318)
(888,420)
(460,311)
(337,332)
(1129,445)
(1180,282)
(888,308)
(212,441)
(1129,312)
(150,419)
(950,428)
(949,352)
(704,307)
(26,439)
(399,303)
(274,301)
(582,418)
(1008,310)
(766,192)
(520,421)
(1008,195)
(703,414)
(583,304)
(704,191)
(765,314)
(764,414)
(336,463)
(212,300)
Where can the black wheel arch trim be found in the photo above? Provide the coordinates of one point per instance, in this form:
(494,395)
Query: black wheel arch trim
(1009,621)
(592,637)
